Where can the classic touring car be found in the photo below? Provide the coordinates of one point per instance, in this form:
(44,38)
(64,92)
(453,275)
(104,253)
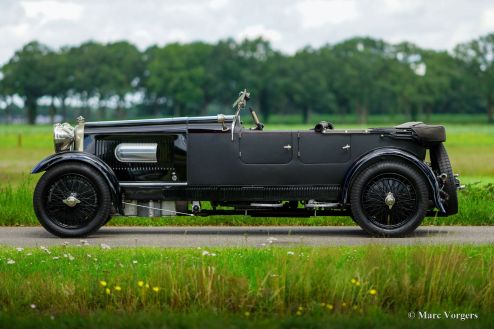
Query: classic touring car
(213,165)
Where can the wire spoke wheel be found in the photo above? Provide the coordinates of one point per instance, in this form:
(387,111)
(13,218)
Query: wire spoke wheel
(71,201)
(389,200)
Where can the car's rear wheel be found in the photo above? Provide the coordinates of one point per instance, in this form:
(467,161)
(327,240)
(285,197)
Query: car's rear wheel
(389,198)
(72,200)
(441,165)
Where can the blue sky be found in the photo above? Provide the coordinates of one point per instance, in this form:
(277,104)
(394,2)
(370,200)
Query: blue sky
(289,25)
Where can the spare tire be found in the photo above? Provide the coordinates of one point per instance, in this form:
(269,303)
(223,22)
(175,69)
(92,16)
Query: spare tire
(441,165)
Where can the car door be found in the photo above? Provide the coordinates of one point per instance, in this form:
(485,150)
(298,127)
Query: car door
(314,148)
(265,147)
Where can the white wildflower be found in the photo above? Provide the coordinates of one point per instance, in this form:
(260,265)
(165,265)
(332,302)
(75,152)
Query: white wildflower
(290,253)
(71,258)
(205,253)
(29,253)
(19,249)
(105,246)
(33,306)
(45,249)
(10,261)
(89,255)
(134,262)
(56,257)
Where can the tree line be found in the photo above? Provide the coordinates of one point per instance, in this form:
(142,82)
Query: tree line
(360,76)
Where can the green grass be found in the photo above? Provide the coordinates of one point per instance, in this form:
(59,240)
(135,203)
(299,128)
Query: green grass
(476,208)
(471,149)
(384,119)
(204,320)
(270,287)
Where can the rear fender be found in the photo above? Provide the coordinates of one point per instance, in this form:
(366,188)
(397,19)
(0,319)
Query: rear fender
(89,159)
(385,153)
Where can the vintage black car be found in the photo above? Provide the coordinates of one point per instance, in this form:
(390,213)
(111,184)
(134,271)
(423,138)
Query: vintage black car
(201,166)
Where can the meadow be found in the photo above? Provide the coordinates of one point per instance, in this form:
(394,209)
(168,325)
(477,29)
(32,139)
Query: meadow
(272,287)
(471,149)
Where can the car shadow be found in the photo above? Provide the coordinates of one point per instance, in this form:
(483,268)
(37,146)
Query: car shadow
(259,231)
(335,231)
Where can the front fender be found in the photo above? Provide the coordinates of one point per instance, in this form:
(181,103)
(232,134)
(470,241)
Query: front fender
(376,155)
(91,160)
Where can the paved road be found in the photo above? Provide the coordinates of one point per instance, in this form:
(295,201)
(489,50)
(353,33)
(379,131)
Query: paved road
(245,236)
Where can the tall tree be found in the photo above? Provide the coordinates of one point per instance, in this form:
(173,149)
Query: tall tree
(58,68)
(308,87)
(24,75)
(121,72)
(87,77)
(178,74)
(362,70)
(478,56)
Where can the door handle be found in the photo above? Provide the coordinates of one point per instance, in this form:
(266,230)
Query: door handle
(287,147)
(346,147)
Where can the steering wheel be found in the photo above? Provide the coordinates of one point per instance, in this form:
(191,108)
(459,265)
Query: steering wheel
(259,124)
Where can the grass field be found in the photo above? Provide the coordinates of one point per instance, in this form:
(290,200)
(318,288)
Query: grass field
(348,287)
(477,208)
(471,149)
(337,287)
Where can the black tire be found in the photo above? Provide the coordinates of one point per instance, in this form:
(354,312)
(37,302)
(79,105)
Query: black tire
(441,164)
(369,192)
(82,182)
(108,219)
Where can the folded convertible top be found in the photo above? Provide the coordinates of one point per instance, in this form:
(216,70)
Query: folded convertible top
(426,133)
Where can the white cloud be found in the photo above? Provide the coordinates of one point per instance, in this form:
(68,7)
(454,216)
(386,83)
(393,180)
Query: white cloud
(316,13)
(488,18)
(259,30)
(401,6)
(52,10)
(217,4)
(289,25)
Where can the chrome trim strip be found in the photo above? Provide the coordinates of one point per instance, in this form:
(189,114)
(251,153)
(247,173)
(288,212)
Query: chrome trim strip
(150,184)
(220,118)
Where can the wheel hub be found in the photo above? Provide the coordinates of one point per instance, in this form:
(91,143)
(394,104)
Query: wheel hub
(390,200)
(71,201)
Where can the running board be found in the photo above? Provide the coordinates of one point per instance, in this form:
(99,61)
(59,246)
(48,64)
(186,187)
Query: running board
(267,205)
(313,204)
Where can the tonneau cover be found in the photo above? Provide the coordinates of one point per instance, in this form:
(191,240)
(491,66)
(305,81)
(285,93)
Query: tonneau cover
(426,133)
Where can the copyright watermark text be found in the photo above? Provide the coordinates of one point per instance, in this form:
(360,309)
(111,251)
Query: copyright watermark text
(424,315)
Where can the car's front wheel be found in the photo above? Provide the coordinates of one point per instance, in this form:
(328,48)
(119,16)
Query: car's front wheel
(390,198)
(72,200)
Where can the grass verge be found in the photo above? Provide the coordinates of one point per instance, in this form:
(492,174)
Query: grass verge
(270,286)
(204,320)
(476,208)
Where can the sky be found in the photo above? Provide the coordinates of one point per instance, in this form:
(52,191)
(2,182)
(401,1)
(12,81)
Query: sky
(289,25)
